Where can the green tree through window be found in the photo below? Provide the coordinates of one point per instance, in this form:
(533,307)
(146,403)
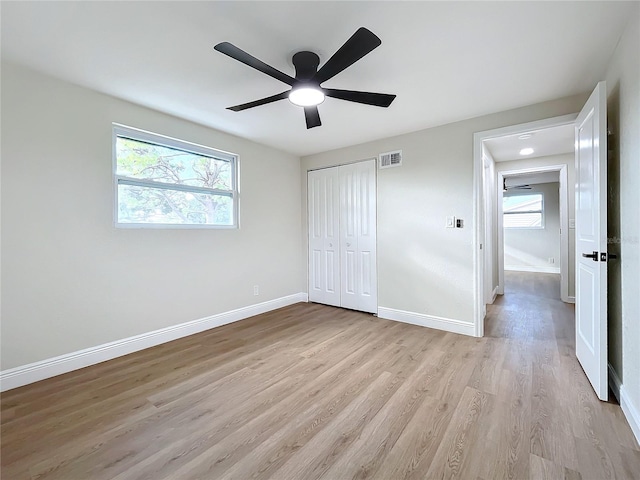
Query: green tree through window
(161,184)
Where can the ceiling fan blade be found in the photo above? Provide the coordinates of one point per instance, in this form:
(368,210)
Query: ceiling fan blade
(262,101)
(368,98)
(360,43)
(312,116)
(242,56)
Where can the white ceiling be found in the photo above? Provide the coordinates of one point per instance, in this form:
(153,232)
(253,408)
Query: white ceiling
(446,61)
(548,141)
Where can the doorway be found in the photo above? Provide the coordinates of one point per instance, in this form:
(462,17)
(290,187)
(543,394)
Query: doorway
(534,231)
(590,224)
(499,155)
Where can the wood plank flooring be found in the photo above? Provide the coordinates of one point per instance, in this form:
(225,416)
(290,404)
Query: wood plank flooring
(311,391)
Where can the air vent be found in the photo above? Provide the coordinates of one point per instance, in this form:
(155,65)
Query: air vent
(390,159)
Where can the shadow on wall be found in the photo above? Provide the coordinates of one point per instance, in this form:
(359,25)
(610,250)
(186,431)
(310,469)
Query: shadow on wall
(614,232)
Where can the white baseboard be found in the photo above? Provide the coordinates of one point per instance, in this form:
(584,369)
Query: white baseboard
(529,268)
(33,372)
(631,413)
(430,321)
(494,294)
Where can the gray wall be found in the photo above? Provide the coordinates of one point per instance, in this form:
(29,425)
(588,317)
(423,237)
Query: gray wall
(531,248)
(72,280)
(623,107)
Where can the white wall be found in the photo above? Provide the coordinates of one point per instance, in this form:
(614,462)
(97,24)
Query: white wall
(70,280)
(567,159)
(530,249)
(623,108)
(422,266)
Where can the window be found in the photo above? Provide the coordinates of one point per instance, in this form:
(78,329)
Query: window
(523,211)
(161,181)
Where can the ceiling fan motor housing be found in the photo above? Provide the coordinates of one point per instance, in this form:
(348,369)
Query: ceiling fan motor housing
(306,64)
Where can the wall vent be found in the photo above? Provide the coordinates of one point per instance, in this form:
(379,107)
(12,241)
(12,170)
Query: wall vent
(390,159)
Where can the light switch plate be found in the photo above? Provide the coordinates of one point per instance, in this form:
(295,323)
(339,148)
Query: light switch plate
(451,222)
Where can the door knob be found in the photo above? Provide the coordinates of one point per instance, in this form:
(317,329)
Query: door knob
(593,256)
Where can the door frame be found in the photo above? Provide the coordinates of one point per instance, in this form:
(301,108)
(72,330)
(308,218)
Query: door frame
(478,203)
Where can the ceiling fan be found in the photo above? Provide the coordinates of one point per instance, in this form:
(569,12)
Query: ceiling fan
(306,90)
(514,187)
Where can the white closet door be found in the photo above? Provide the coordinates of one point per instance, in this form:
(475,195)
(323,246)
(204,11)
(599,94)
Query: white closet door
(358,236)
(324,240)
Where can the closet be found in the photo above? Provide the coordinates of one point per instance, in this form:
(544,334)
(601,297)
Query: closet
(342,236)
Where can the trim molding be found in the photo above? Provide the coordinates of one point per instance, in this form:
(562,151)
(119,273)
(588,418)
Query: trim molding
(51,367)
(631,413)
(530,268)
(494,294)
(429,321)
(571,299)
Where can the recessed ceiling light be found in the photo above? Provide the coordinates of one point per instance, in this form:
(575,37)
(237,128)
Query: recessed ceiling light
(524,136)
(526,151)
(306,97)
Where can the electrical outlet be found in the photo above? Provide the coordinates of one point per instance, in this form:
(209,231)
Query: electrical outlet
(256,290)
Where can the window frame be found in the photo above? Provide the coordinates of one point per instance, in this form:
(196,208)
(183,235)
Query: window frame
(522,194)
(132,133)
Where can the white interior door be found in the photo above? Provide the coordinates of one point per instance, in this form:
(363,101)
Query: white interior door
(358,236)
(591,240)
(324,239)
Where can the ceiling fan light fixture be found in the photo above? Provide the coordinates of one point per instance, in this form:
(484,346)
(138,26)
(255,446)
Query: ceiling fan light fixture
(526,151)
(306,96)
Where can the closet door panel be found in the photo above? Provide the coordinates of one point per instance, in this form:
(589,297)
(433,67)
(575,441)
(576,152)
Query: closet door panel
(324,240)
(358,240)
(349,236)
(366,212)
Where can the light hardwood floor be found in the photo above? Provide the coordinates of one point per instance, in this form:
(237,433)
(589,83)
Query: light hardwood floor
(311,391)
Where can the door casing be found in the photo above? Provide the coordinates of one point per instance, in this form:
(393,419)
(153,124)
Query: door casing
(478,203)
